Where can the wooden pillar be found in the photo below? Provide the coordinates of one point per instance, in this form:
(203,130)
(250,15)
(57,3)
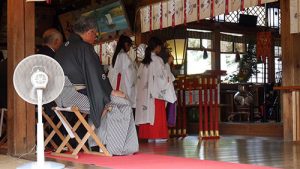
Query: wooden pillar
(21,43)
(216,57)
(291,71)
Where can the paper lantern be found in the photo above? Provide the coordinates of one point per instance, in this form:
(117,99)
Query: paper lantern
(178,48)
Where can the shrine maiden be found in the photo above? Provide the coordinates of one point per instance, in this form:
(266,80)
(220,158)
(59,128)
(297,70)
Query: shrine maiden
(123,65)
(153,90)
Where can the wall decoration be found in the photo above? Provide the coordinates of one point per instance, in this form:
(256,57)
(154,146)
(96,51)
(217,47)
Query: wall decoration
(165,14)
(264,45)
(219,7)
(156,16)
(255,2)
(66,21)
(171,13)
(205,9)
(145,19)
(105,51)
(247,3)
(234,5)
(111,20)
(179,19)
(191,11)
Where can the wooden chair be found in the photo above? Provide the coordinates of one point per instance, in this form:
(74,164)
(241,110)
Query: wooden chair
(72,134)
(55,131)
(3,129)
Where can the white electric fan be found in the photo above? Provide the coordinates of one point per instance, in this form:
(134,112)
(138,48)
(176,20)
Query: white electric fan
(39,79)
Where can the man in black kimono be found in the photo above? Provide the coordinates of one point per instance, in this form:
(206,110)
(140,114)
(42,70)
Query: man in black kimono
(82,66)
(87,83)
(52,40)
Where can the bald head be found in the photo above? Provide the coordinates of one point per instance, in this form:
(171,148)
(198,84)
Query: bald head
(52,38)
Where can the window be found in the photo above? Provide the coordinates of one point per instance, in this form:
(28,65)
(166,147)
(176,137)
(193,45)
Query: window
(262,74)
(194,43)
(274,18)
(196,64)
(233,17)
(278,64)
(200,42)
(226,47)
(229,64)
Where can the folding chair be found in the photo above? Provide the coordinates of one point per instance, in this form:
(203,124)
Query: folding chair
(3,135)
(72,134)
(55,131)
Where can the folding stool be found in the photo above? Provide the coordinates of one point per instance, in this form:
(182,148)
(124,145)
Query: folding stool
(72,134)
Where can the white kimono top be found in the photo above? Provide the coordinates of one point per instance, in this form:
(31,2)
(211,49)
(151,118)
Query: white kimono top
(125,66)
(170,74)
(152,83)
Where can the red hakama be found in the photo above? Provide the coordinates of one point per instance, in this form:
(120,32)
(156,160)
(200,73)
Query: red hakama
(160,128)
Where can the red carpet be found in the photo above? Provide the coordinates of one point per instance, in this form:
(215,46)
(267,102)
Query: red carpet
(150,161)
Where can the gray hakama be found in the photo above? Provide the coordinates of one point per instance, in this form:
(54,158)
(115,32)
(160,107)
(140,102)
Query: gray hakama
(117,130)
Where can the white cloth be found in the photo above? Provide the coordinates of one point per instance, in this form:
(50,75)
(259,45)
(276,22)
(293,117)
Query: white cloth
(126,67)
(170,74)
(152,83)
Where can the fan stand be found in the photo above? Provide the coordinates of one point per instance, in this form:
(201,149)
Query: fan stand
(41,163)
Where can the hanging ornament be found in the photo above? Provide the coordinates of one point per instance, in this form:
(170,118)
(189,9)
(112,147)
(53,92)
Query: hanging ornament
(212,11)
(227,7)
(150,18)
(198,10)
(205,54)
(140,52)
(173,12)
(237,56)
(264,45)
(259,2)
(242,5)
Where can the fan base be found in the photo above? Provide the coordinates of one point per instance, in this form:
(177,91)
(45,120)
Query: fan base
(47,165)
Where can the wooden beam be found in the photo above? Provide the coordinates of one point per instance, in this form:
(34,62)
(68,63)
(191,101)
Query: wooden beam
(291,70)
(20,31)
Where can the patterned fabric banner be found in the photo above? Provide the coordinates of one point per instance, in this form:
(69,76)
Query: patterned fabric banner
(264,45)
(171,13)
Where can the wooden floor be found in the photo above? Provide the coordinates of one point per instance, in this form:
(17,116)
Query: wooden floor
(237,149)
(262,151)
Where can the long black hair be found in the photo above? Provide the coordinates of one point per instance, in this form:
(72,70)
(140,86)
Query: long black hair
(120,45)
(152,44)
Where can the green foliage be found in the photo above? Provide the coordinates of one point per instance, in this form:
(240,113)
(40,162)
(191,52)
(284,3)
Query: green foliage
(247,66)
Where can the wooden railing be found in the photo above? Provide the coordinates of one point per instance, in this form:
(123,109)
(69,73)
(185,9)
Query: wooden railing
(201,91)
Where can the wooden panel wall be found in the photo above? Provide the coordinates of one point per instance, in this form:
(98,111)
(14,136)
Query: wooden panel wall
(21,43)
(291,68)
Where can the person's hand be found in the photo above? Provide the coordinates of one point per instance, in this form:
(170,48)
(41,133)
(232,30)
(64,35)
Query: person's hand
(106,110)
(118,93)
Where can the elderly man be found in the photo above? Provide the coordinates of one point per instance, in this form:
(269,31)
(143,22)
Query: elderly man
(52,40)
(90,87)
